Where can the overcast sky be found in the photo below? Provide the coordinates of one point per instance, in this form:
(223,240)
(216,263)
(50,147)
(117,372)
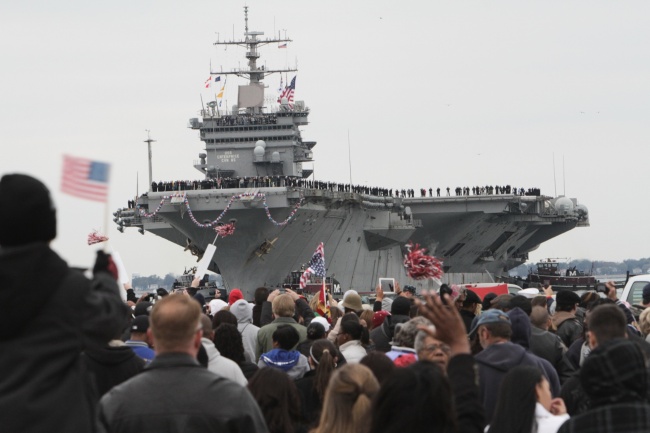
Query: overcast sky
(432,94)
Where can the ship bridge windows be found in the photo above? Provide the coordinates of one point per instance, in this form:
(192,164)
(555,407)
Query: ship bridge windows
(246,128)
(228,120)
(248,139)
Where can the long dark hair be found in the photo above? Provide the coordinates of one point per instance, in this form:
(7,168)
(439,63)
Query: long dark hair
(351,325)
(515,410)
(324,354)
(430,402)
(229,343)
(223,316)
(278,399)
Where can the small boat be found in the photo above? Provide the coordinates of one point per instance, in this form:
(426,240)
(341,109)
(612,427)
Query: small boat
(549,273)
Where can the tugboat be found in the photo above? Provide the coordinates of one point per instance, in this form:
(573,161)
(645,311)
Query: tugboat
(252,176)
(548,273)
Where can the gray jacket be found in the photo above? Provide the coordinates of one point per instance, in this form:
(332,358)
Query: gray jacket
(175,394)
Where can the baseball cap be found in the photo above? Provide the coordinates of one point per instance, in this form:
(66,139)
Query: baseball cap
(409,288)
(142,308)
(490,316)
(140,324)
(472,298)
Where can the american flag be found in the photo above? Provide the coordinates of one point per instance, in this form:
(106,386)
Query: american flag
(288,92)
(85,178)
(316,266)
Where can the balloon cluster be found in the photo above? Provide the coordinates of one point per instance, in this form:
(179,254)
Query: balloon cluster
(227,208)
(419,265)
(95,237)
(225,230)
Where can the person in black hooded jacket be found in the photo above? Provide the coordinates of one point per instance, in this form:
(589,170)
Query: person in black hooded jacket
(112,363)
(383,335)
(615,379)
(49,314)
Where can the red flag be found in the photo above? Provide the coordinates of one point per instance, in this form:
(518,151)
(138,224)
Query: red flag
(323,307)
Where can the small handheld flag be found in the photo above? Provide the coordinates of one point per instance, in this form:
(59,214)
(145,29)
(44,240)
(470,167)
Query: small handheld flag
(85,178)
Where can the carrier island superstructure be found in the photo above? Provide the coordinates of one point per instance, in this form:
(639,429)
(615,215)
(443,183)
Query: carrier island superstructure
(252,168)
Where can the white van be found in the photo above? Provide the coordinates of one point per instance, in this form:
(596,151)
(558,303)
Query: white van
(633,291)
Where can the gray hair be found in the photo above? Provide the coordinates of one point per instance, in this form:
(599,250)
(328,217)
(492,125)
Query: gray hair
(405,334)
(420,337)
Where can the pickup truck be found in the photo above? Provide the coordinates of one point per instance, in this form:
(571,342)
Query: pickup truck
(633,290)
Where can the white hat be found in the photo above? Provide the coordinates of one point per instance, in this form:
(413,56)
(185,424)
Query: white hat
(323,321)
(529,293)
(217,305)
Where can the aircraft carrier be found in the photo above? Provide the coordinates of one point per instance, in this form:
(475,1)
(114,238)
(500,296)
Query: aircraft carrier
(252,176)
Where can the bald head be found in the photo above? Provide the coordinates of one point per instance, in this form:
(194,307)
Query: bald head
(175,324)
(206,326)
(539,318)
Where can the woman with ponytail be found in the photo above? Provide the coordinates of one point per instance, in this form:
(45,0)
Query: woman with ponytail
(348,400)
(323,359)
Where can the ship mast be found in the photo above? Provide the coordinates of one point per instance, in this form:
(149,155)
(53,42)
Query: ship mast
(253,74)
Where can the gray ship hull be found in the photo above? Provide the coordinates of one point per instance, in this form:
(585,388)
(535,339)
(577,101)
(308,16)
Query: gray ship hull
(470,234)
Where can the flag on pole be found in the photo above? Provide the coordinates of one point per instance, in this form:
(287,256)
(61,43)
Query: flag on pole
(316,266)
(288,92)
(220,95)
(209,80)
(323,307)
(85,178)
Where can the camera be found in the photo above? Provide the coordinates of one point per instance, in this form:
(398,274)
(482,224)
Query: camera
(601,288)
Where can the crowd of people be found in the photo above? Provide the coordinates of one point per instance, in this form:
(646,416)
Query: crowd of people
(292,181)
(84,355)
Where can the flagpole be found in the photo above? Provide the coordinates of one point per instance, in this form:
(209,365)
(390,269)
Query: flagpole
(350,158)
(106,217)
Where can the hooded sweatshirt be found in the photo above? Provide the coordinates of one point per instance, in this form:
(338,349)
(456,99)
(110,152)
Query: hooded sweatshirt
(243,311)
(291,362)
(521,330)
(615,379)
(112,365)
(493,364)
(383,335)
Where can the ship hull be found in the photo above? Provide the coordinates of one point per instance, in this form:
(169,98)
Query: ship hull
(361,244)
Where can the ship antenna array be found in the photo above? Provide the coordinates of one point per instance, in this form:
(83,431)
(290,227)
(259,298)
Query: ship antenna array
(149,141)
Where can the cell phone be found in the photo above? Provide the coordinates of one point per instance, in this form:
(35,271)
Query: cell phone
(387,284)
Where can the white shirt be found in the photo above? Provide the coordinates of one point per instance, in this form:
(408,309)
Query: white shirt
(546,421)
(353,351)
